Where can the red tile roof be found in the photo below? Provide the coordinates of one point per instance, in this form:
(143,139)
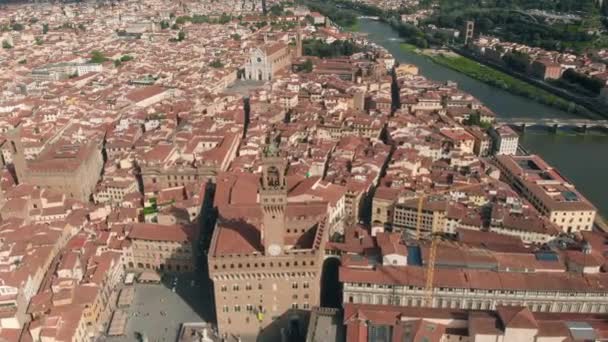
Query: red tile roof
(157,232)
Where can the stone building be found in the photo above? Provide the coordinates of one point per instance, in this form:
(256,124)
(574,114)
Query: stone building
(162,247)
(267,249)
(548,192)
(505,140)
(365,322)
(476,289)
(167,166)
(59,166)
(266,61)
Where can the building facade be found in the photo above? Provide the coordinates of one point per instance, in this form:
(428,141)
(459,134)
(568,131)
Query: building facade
(162,248)
(265,258)
(476,289)
(505,140)
(266,61)
(548,192)
(58,166)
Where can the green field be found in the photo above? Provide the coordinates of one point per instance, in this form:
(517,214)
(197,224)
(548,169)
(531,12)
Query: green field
(408,47)
(507,82)
(353,28)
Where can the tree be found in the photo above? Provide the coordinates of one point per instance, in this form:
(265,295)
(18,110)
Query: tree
(97,57)
(517,61)
(235,36)
(181,36)
(38,41)
(276,10)
(224,19)
(45,28)
(81,27)
(318,48)
(23,61)
(117,63)
(164,25)
(6,45)
(590,83)
(307,66)
(126,58)
(199,19)
(182,20)
(216,64)
(17,27)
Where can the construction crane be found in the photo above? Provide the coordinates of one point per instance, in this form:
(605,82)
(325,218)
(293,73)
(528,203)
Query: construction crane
(430,268)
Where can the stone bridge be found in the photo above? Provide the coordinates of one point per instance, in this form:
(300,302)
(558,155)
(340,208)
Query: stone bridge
(554,123)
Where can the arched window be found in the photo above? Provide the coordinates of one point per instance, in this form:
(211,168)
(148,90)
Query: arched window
(273,177)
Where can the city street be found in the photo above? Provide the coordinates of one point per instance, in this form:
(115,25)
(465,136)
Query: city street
(157,312)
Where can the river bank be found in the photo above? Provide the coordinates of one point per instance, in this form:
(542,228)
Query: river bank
(577,157)
(499,79)
(481,70)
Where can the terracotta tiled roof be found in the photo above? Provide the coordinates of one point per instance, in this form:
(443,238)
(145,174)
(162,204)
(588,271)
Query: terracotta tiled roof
(157,232)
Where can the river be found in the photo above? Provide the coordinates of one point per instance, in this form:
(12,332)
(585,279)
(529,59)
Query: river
(583,159)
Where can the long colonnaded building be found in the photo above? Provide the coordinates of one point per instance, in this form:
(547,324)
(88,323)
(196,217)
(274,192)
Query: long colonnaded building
(548,191)
(479,271)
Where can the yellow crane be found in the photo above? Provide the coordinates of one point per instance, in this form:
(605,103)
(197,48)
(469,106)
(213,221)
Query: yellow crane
(430,268)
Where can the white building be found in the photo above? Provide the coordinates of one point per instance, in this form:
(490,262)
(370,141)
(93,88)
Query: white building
(266,61)
(83,69)
(505,140)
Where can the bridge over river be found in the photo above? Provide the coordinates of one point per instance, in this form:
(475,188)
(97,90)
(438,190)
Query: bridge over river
(555,123)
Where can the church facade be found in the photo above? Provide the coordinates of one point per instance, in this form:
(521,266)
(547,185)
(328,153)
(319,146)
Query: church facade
(266,61)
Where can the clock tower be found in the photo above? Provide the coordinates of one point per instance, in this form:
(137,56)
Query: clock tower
(273,199)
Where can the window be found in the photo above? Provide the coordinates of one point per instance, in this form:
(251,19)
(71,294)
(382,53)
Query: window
(249,307)
(235,287)
(224,288)
(294,305)
(225,309)
(305,285)
(248,287)
(294,285)
(259,286)
(237,308)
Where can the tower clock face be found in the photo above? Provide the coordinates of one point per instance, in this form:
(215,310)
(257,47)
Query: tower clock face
(274,250)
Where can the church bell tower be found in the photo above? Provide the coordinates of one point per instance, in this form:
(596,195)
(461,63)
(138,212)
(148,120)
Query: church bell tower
(273,199)
(298,39)
(16,149)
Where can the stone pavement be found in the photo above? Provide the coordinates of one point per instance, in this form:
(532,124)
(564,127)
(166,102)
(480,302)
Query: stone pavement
(158,312)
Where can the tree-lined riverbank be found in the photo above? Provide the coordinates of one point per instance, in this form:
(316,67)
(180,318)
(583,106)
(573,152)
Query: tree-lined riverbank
(504,81)
(578,157)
